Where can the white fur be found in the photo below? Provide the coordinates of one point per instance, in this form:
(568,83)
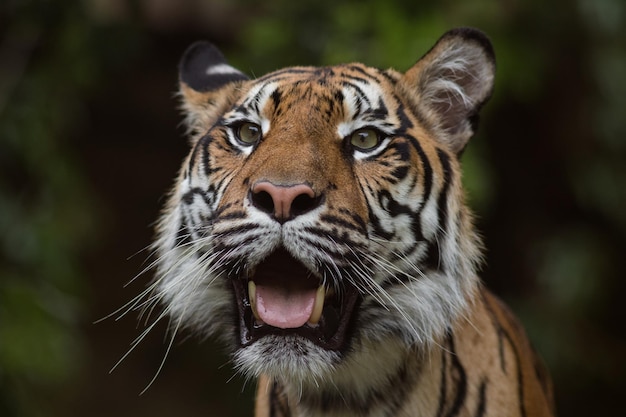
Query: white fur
(222,69)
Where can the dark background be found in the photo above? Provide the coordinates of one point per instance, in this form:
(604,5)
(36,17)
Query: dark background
(90,141)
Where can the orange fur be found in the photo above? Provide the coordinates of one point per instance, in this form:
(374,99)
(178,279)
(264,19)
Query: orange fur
(384,229)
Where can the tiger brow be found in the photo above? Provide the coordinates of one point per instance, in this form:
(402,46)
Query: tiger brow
(377,113)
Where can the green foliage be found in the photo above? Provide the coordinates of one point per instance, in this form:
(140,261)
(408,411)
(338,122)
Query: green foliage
(312,33)
(46,214)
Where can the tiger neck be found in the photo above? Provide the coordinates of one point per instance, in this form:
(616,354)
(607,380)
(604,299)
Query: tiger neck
(376,382)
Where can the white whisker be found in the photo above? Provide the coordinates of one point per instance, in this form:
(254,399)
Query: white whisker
(138,340)
(169,347)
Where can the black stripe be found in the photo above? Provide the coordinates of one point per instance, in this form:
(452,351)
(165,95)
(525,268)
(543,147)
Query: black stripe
(339,257)
(339,97)
(373,220)
(378,228)
(393,207)
(242,110)
(203,144)
(278,404)
(362,71)
(183,235)
(335,254)
(503,334)
(187,221)
(285,73)
(241,243)
(354,78)
(359,93)
(235,215)
(399,173)
(324,72)
(403,151)
(192,158)
(499,332)
(481,408)
(442,204)
(277,98)
(405,122)
(381,111)
(338,221)
(253,102)
(208,196)
(428,186)
(206,159)
(355,218)
(332,238)
(458,383)
(460,379)
(447,180)
(376,115)
(330,107)
(542,375)
(443,385)
(391,78)
(220,144)
(433,256)
(395,279)
(237,230)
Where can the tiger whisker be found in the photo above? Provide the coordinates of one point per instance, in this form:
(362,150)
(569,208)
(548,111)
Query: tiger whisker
(139,339)
(169,347)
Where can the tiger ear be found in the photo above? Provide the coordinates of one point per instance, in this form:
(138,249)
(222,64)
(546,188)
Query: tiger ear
(450,83)
(207,85)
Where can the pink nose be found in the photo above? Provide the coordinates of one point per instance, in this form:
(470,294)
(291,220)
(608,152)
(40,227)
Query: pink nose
(284,202)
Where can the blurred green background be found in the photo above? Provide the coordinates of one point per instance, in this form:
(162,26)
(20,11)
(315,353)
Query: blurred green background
(90,140)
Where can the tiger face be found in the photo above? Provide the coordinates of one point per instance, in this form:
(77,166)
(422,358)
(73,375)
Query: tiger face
(319,217)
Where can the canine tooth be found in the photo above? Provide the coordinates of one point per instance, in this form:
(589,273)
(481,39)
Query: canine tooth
(252,298)
(318,306)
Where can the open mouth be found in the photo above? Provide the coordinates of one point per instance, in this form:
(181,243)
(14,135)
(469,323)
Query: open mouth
(283,297)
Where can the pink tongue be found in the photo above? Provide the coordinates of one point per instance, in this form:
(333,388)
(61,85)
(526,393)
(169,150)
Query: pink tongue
(284,308)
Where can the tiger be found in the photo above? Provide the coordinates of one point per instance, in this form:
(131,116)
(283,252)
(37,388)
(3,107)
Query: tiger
(319,228)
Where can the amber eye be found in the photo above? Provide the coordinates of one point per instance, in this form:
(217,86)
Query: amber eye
(365,139)
(248,133)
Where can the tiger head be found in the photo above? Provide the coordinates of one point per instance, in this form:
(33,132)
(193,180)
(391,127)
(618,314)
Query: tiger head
(319,215)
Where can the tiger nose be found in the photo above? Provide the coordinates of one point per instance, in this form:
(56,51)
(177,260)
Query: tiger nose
(284,202)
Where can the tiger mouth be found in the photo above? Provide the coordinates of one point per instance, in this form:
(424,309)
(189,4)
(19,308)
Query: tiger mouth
(283,297)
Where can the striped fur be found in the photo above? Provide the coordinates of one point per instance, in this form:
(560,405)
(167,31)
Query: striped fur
(483,368)
(383,228)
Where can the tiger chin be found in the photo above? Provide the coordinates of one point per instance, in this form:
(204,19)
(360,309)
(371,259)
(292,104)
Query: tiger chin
(318,227)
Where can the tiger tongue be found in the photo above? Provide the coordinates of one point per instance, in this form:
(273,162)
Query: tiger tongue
(284,308)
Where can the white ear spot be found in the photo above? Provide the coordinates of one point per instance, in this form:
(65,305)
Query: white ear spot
(222,69)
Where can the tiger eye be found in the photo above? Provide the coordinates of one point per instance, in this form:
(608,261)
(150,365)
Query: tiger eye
(249,133)
(365,139)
